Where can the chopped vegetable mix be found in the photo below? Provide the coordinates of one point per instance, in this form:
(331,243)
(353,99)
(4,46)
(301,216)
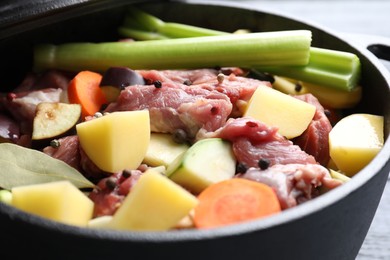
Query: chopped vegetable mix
(182,127)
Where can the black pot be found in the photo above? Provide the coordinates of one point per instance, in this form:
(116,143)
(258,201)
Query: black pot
(332,226)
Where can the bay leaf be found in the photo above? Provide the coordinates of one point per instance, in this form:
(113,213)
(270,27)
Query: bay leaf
(24,166)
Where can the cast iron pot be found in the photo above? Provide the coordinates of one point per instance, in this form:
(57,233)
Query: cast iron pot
(332,226)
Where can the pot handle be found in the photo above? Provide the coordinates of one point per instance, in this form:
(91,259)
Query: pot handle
(378,45)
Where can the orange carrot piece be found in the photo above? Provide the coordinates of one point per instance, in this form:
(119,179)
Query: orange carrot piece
(233,201)
(84,89)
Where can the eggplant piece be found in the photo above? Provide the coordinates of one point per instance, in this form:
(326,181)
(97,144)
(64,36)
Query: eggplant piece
(117,78)
(54,120)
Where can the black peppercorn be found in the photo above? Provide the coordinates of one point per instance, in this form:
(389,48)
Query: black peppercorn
(157,84)
(179,136)
(187,82)
(126,173)
(241,168)
(111,183)
(298,87)
(263,163)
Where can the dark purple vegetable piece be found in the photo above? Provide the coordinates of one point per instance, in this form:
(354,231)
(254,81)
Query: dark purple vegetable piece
(121,77)
(54,120)
(117,78)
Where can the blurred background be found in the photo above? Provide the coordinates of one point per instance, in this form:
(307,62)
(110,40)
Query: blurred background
(353,16)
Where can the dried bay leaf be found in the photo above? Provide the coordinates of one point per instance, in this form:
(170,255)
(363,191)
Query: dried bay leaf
(24,166)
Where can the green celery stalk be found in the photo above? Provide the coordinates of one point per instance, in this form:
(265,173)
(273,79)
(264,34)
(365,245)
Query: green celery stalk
(336,69)
(279,48)
(136,18)
(178,30)
(142,21)
(140,35)
(168,31)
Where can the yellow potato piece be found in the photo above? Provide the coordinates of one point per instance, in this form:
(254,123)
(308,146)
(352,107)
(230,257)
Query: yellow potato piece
(339,176)
(330,97)
(162,150)
(335,98)
(274,108)
(354,141)
(100,222)
(155,203)
(116,141)
(59,201)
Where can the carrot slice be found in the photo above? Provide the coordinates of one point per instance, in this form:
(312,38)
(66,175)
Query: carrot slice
(233,201)
(84,89)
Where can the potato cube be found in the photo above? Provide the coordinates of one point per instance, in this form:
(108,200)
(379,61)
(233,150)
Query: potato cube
(155,203)
(162,150)
(59,201)
(274,108)
(101,222)
(355,140)
(116,141)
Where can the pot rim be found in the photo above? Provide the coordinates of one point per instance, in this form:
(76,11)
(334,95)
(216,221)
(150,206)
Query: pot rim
(376,166)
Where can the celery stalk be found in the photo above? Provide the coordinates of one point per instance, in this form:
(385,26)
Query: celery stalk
(169,30)
(142,21)
(178,30)
(337,69)
(140,34)
(244,50)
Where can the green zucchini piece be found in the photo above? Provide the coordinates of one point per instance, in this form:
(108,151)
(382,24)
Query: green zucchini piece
(206,162)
